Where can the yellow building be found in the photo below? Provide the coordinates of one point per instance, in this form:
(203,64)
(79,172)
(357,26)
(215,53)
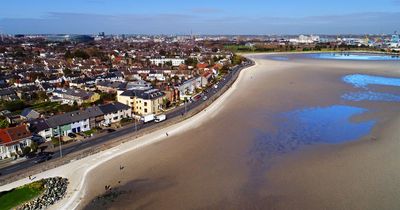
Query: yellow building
(143,102)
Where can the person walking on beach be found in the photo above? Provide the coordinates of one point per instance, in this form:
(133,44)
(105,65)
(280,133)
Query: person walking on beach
(166,134)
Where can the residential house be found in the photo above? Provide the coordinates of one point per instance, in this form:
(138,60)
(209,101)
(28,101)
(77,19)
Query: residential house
(142,102)
(13,140)
(188,87)
(74,122)
(110,87)
(40,127)
(139,85)
(8,95)
(69,96)
(28,113)
(115,112)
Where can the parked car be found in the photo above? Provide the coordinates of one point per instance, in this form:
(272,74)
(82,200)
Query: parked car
(110,130)
(38,139)
(72,135)
(30,155)
(148,118)
(160,118)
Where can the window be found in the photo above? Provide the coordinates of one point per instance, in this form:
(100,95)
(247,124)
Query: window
(145,110)
(115,118)
(145,103)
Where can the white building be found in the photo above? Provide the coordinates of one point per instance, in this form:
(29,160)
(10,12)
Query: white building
(162,61)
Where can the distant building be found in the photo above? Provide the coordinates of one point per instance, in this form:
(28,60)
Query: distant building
(395,41)
(64,37)
(139,85)
(163,61)
(302,39)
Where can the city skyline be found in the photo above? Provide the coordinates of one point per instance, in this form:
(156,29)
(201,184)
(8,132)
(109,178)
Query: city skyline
(206,17)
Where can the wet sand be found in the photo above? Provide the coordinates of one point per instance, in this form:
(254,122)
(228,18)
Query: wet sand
(220,164)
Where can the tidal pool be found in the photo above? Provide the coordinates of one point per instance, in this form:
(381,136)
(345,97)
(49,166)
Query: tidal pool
(363,80)
(279,58)
(354,56)
(329,125)
(371,96)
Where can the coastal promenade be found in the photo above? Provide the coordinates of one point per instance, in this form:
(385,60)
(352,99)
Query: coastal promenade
(126,134)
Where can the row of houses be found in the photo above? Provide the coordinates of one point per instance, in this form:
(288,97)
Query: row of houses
(14,139)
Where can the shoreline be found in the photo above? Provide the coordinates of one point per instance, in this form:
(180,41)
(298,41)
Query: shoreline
(76,188)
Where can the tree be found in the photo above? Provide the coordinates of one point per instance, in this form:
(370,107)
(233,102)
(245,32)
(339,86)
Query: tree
(162,52)
(196,49)
(68,55)
(67,72)
(168,63)
(191,61)
(81,54)
(34,146)
(4,123)
(26,150)
(42,96)
(237,59)
(14,105)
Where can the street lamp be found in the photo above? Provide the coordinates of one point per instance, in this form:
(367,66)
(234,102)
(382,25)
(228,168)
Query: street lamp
(59,140)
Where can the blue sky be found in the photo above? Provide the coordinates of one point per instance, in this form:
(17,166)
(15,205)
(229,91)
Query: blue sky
(201,17)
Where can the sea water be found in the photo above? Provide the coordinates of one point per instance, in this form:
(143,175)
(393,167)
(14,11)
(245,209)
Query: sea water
(354,56)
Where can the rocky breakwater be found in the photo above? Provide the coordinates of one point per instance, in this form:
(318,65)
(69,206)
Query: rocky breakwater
(55,189)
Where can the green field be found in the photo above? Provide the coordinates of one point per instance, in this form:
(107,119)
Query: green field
(15,197)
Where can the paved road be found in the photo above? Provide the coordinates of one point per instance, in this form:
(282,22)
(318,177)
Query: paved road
(130,129)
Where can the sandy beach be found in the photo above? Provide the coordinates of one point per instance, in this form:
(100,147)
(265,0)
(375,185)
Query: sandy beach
(220,165)
(222,157)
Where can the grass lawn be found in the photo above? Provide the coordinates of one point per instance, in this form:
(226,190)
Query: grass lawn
(89,132)
(15,197)
(46,106)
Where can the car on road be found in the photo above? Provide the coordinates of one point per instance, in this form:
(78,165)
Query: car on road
(196,98)
(204,98)
(30,155)
(72,135)
(110,130)
(160,118)
(42,159)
